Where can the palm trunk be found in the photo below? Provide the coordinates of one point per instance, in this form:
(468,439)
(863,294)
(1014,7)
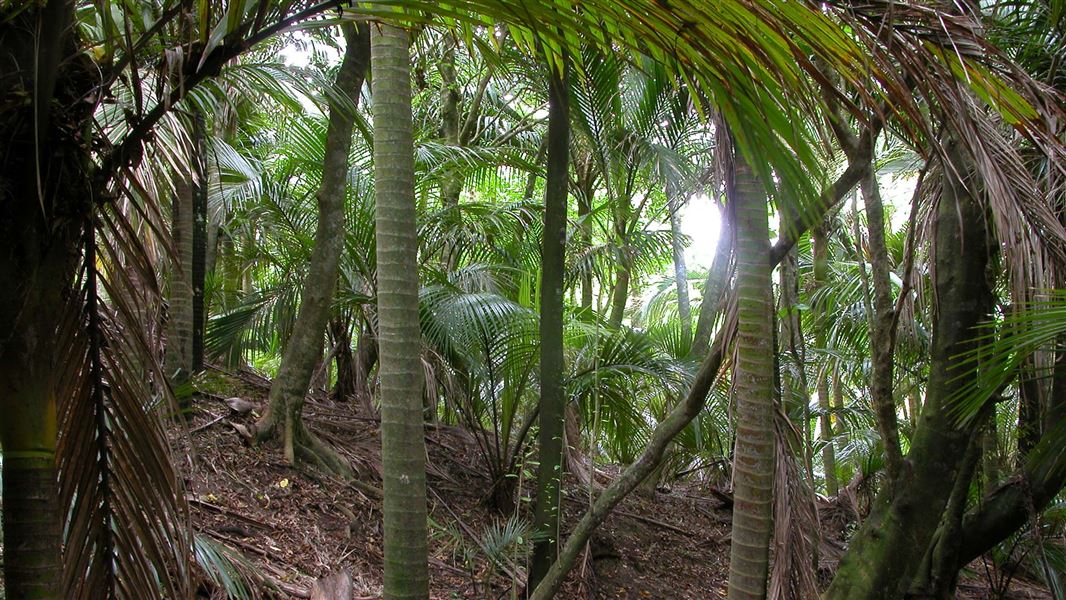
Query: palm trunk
(198,261)
(32,520)
(366,356)
(341,338)
(884,556)
(552,397)
(304,348)
(754,372)
(820,240)
(716,283)
(620,294)
(684,306)
(403,447)
(179,347)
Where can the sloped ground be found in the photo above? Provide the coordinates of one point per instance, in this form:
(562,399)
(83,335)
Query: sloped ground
(297,525)
(294,526)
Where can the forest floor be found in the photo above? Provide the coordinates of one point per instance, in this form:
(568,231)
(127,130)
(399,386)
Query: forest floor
(292,526)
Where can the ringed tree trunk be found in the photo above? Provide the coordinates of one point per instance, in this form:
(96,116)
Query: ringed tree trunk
(32,519)
(179,346)
(40,223)
(552,394)
(753,465)
(304,348)
(403,445)
(884,556)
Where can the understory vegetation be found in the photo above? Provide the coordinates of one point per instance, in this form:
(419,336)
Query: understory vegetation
(495,299)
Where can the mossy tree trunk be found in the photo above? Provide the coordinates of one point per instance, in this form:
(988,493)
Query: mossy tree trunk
(399,337)
(885,555)
(304,347)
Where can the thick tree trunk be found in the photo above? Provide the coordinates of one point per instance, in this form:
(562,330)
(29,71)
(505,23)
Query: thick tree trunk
(884,556)
(304,347)
(403,446)
(552,395)
(32,519)
(753,465)
(44,199)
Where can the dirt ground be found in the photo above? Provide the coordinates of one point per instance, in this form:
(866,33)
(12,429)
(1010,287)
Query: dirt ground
(294,526)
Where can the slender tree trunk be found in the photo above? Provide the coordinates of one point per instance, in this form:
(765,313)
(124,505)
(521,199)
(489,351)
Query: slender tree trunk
(403,447)
(584,231)
(684,306)
(198,260)
(304,347)
(179,346)
(681,415)
(882,342)
(820,240)
(717,282)
(366,356)
(552,396)
(341,337)
(885,554)
(754,372)
(620,294)
(452,183)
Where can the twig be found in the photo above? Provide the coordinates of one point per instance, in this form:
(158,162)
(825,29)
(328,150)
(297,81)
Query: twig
(208,424)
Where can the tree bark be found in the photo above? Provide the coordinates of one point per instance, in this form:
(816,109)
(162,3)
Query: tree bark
(403,446)
(304,348)
(820,240)
(882,336)
(753,465)
(884,556)
(179,346)
(553,273)
(44,192)
(684,307)
(716,284)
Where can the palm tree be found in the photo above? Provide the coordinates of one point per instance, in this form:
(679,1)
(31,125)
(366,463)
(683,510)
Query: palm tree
(552,397)
(753,465)
(402,440)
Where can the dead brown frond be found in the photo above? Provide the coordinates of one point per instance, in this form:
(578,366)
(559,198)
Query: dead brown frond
(127,522)
(795,547)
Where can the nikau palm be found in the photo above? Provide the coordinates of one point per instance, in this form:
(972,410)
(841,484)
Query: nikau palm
(754,373)
(403,446)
